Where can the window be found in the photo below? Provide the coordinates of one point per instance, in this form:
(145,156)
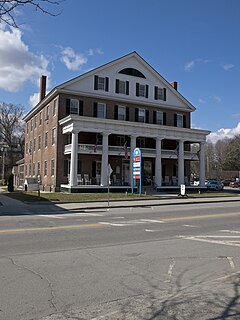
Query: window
(46,139)
(121,113)
(74,106)
(38,168)
(33,169)
(52,167)
(160,93)
(141,142)
(159,117)
(30,147)
(34,145)
(54,107)
(122,87)
(99,110)
(45,167)
(35,122)
(39,142)
(30,168)
(141,90)
(132,72)
(27,127)
(26,170)
(31,124)
(40,118)
(47,113)
(27,148)
(101,83)
(54,135)
(141,115)
(180,120)
(121,140)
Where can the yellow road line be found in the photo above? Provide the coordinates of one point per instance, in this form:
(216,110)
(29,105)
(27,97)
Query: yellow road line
(51,228)
(202,216)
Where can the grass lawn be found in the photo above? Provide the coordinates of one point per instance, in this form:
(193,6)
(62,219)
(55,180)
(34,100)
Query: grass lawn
(80,197)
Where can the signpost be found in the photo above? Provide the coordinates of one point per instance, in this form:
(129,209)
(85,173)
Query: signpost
(109,174)
(137,169)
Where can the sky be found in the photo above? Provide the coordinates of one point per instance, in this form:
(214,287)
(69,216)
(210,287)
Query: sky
(193,42)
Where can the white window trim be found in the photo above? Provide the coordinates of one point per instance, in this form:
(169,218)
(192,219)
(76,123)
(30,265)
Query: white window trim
(104,110)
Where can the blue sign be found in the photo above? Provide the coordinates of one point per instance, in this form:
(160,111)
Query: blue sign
(137,168)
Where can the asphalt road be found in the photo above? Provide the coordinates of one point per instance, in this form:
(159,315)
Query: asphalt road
(168,262)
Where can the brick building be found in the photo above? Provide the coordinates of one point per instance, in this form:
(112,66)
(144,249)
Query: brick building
(98,118)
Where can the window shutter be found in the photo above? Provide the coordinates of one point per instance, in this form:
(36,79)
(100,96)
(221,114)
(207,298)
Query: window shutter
(155,93)
(154,116)
(67,106)
(95,109)
(164,118)
(80,111)
(65,168)
(137,89)
(127,113)
(175,120)
(184,121)
(127,88)
(136,114)
(147,116)
(94,169)
(106,84)
(146,88)
(164,94)
(117,86)
(116,112)
(95,82)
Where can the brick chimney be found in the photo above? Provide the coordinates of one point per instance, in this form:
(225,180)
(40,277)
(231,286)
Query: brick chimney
(42,93)
(174,84)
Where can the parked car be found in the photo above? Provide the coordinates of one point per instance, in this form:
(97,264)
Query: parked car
(226,182)
(234,184)
(215,185)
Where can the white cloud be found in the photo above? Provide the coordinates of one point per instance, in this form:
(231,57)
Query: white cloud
(217,98)
(17,63)
(200,100)
(228,66)
(34,99)
(71,59)
(91,52)
(224,133)
(188,66)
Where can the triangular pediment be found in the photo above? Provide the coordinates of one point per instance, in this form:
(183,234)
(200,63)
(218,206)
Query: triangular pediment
(133,69)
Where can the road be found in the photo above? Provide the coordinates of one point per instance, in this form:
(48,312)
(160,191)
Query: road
(156,262)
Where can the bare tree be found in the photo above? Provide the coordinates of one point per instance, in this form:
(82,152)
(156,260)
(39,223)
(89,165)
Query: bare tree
(12,131)
(8,8)
(232,158)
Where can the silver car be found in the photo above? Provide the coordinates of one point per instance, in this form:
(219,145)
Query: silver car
(214,185)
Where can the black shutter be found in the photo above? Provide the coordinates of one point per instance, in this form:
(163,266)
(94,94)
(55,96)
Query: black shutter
(106,84)
(95,109)
(164,118)
(127,113)
(164,94)
(146,88)
(155,93)
(175,120)
(67,106)
(136,114)
(117,86)
(184,121)
(95,82)
(154,117)
(65,168)
(94,169)
(137,89)
(79,166)
(147,116)
(116,112)
(127,88)
(80,111)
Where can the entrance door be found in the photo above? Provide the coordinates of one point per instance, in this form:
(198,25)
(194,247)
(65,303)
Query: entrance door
(126,172)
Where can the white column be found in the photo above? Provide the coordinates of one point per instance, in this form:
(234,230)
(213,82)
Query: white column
(74,158)
(202,165)
(104,164)
(133,146)
(180,162)
(158,163)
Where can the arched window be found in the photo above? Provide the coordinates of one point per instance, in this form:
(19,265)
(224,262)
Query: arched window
(132,72)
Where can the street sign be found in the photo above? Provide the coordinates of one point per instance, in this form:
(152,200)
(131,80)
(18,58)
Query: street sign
(137,168)
(182,189)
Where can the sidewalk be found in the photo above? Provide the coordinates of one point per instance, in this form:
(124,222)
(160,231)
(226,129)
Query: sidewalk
(15,207)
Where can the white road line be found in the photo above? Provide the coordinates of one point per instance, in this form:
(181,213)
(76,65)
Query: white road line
(113,224)
(189,225)
(230,260)
(50,216)
(150,230)
(152,221)
(226,243)
(230,231)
